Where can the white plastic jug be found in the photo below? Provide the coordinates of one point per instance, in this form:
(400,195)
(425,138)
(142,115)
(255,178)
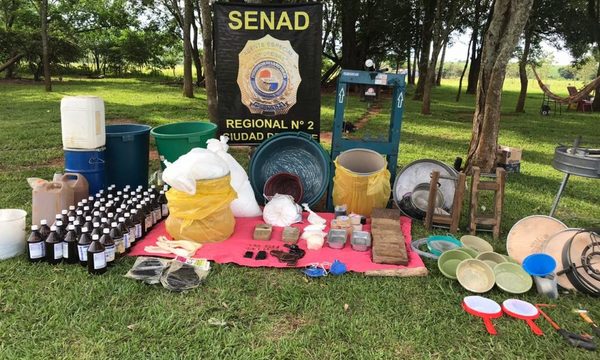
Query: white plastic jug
(12,228)
(82,122)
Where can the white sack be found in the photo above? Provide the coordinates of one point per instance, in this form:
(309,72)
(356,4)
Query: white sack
(198,164)
(282,211)
(245,205)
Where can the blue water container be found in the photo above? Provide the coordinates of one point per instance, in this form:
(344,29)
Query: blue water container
(90,163)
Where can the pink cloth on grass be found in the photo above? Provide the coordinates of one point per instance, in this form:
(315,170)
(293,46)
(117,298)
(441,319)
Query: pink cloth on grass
(233,249)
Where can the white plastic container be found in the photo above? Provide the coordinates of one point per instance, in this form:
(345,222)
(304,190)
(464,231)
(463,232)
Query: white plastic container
(82,122)
(12,228)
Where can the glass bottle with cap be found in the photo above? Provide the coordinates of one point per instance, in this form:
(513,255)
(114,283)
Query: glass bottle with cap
(118,239)
(60,229)
(130,228)
(83,244)
(53,247)
(96,257)
(44,228)
(70,250)
(156,210)
(124,230)
(109,246)
(36,247)
(137,221)
(162,200)
(97,229)
(71,211)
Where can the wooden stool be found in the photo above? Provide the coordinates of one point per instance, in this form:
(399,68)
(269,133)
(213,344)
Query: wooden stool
(497,187)
(452,220)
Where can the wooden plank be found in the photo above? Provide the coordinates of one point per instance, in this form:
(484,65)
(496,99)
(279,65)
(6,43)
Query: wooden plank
(459,195)
(392,214)
(487,186)
(433,188)
(486,220)
(499,200)
(474,199)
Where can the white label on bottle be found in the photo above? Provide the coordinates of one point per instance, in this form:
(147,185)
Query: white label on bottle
(37,250)
(165,210)
(82,250)
(126,242)
(58,254)
(65,250)
(110,253)
(99,260)
(156,215)
(138,231)
(148,222)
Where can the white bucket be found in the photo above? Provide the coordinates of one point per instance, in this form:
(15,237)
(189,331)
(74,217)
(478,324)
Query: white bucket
(12,232)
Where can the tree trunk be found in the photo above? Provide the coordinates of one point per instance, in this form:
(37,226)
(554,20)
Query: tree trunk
(188,17)
(10,62)
(414,69)
(438,79)
(408,69)
(462,75)
(523,73)
(209,62)
(45,47)
(475,55)
(349,10)
(429,81)
(195,51)
(500,40)
(429,8)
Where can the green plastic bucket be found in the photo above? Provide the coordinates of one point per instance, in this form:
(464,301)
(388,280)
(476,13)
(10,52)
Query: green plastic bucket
(174,140)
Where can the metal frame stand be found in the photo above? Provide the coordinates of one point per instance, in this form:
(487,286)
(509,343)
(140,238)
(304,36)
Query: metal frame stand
(561,189)
(387,147)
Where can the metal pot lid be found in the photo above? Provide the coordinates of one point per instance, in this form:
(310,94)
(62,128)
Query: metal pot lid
(528,235)
(418,172)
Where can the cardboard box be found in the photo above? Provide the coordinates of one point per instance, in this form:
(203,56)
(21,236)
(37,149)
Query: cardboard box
(509,155)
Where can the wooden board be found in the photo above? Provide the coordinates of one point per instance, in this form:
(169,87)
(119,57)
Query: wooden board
(389,246)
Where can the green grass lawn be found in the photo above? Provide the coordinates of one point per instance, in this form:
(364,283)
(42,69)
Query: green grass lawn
(62,312)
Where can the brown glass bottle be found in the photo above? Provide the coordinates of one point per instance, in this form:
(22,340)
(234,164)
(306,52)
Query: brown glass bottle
(70,251)
(96,257)
(53,247)
(82,246)
(36,247)
(44,229)
(109,246)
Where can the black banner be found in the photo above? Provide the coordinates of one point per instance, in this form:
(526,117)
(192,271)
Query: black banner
(268,67)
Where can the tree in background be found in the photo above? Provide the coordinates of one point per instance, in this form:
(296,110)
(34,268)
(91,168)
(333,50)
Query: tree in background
(188,17)
(444,22)
(501,37)
(540,26)
(580,28)
(43,8)
(209,61)
(481,15)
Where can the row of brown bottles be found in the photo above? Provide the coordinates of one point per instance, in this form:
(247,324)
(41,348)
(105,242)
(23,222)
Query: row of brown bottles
(99,234)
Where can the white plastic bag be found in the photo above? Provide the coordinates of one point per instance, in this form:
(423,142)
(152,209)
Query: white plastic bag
(245,205)
(198,164)
(282,211)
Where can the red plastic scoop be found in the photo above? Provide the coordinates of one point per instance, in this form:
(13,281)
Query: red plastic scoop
(523,310)
(484,308)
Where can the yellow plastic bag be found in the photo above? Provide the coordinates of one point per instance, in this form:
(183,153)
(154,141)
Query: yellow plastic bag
(361,193)
(205,216)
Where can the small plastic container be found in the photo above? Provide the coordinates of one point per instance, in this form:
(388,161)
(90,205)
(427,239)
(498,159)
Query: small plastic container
(361,240)
(336,238)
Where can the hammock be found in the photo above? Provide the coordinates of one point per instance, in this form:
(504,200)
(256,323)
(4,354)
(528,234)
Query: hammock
(572,99)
